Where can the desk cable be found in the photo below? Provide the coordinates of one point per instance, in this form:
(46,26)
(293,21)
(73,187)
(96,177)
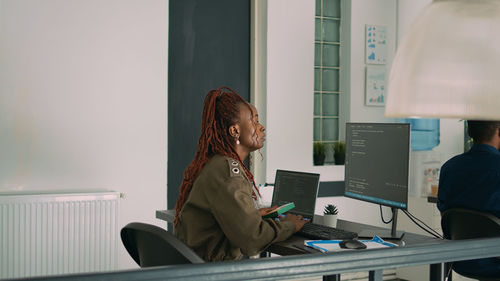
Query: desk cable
(427,228)
(382,216)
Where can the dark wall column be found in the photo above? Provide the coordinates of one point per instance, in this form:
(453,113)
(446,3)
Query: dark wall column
(209,47)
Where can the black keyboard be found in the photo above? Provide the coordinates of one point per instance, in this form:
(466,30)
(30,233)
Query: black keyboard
(320,232)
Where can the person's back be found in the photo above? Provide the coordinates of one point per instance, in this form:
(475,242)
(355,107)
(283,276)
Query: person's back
(472,181)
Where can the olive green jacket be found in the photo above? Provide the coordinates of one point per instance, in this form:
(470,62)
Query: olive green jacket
(219,220)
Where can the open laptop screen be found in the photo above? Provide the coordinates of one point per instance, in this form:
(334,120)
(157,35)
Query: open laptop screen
(297,187)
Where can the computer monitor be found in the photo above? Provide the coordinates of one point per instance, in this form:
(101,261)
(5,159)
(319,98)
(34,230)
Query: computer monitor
(377,167)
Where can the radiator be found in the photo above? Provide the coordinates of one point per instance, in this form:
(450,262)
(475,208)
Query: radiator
(48,234)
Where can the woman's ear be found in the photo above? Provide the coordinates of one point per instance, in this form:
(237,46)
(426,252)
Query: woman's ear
(234,131)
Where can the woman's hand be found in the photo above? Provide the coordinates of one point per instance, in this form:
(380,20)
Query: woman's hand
(265,211)
(297,219)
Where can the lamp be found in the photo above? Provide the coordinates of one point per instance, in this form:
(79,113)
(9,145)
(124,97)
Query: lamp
(448,64)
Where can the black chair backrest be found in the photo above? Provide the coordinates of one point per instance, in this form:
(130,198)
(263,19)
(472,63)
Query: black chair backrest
(150,245)
(458,224)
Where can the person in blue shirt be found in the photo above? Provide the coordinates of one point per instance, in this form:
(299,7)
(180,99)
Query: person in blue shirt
(472,181)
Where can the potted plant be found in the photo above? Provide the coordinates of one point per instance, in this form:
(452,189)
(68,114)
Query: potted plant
(330,215)
(319,149)
(339,152)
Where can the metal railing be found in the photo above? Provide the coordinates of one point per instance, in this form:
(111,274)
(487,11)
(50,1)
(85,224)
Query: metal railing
(311,264)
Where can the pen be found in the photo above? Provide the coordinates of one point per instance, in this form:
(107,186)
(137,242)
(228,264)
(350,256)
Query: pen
(316,250)
(307,249)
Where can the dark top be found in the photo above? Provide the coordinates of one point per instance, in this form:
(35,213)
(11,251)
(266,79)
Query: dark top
(472,181)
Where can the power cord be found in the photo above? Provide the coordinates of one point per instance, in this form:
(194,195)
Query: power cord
(382,216)
(428,229)
(414,219)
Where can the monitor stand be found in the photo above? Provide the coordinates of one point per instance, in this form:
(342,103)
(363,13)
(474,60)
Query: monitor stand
(384,233)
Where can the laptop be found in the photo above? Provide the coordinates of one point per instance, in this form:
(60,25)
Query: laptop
(297,187)
(302,189)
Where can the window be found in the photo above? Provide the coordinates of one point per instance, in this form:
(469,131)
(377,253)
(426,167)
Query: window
(327,75)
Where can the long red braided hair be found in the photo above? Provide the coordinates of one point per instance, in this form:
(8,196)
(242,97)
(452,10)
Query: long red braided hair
(220,111)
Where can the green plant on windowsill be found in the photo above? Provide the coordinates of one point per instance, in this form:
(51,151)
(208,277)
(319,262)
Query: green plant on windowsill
(319,153)
(339,152)
(319,150)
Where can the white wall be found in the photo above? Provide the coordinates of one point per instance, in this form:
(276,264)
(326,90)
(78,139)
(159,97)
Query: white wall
(290,55)
(290,78)
(380,12)
(83,93)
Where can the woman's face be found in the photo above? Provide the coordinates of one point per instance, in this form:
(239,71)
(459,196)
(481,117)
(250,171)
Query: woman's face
(252,133)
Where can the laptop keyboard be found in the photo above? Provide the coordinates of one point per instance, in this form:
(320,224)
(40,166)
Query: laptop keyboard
(320,232)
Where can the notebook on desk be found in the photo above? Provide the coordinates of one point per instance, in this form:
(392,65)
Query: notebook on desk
(302,189)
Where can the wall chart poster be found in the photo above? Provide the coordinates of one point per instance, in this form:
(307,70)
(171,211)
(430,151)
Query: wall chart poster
(375,86)
(376,44)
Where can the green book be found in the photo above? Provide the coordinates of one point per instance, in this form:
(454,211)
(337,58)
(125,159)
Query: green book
(280,210)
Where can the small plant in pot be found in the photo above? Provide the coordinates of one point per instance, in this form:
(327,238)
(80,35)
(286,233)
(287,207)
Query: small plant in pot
(330,215)
(339,154)
(319,149)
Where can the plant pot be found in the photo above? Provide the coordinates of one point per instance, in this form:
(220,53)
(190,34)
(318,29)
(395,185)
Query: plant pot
(339,158)
(319,159)
(330,220)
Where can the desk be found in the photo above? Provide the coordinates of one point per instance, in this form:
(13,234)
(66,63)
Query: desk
(285,248)
(437,271)
(419,249)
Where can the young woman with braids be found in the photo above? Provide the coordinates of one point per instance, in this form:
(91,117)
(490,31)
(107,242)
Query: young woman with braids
(215,211)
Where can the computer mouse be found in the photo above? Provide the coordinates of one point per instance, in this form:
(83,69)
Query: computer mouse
(352,244)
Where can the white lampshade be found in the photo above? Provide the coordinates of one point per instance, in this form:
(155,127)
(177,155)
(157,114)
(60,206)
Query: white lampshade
(448,63)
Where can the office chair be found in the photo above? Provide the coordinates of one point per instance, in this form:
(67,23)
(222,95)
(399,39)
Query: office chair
(458,224)
(150,245)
